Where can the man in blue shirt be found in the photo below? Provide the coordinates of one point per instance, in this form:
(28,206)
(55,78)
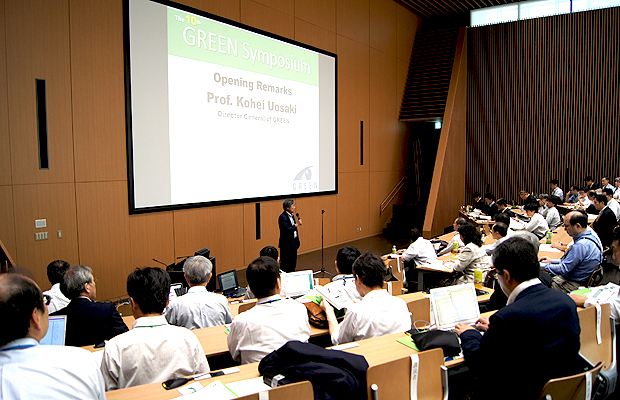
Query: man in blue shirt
(580,260)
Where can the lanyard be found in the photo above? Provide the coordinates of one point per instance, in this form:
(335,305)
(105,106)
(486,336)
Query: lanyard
(269,301)
(25,346)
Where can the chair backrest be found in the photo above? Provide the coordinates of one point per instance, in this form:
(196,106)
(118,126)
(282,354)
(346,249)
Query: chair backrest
(321,281)
(246,306)
(596,277)
(298,391)
(420,309)
(590,348)
(570,387)
(393,378)
(394,287)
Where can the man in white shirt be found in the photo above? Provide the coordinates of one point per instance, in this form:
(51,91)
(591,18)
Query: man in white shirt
(499,232)
(553,215)
(272,322)
(378,314)
(617,188)
(537,225)
(611,202)
(542,202)
(55,271)
(31,371)
(555,188)
(605,183)
(460,221)
(345,280)
(198,308)
(153,350)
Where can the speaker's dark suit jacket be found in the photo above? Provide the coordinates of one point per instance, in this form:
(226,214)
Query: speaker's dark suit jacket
(604,226)
(287,233)
(89,322)
(528,342)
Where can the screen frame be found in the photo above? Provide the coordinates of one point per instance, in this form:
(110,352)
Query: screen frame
(129,126)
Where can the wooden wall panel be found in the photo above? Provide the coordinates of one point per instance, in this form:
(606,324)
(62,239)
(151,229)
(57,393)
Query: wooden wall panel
(224,8)
(353,104)
(386,152)
(98,90)
(219,229)
(543,101)
(353,20)
(315,36)
(309,209)
(5,148)
(152,236)
(449,173)
(269,233)
(103,234)
(321,13)
(285,6)
(269,19)
(56,204)
(383,26)
(7,221)
(407,25)
(353,205)
(36,29)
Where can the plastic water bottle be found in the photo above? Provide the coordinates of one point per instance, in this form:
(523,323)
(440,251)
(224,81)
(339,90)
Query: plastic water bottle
(394,249)
(549,237)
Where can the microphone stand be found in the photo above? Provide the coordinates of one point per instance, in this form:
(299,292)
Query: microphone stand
(322,270)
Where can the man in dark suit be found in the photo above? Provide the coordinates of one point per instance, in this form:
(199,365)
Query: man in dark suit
(479,202)
(88,322)
(489,199)
(605,223)
(533,339)
(590,184)
(502,207)
(527,197)
(289,236)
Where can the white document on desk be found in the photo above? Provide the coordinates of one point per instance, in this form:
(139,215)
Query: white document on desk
(516,225)
(216,390)
(548,248)
(437,265)
(336,296)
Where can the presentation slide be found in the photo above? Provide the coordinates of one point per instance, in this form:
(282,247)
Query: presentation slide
(219,113)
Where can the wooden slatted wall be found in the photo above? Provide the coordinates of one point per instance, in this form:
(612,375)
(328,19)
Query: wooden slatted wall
(543,103)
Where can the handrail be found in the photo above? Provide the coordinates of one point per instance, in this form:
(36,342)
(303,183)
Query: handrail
(388,199)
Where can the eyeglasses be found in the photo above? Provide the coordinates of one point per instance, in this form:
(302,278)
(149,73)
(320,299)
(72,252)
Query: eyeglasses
(47,299)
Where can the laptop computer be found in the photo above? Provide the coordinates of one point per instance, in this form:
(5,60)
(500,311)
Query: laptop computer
(230,285)
(55,335)
(453,304)
(298,283)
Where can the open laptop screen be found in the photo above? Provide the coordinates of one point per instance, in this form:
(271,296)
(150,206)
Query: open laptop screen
(453,304)
(297,283)
(56,332)
(228,280)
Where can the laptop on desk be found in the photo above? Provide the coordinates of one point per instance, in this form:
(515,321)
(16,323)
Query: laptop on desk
(298,283)
(230,285)
(55,335)
(453,304)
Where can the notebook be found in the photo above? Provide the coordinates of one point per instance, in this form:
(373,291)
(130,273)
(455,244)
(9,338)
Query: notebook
(298,283)
(55,335)
(453,304)
(230,285)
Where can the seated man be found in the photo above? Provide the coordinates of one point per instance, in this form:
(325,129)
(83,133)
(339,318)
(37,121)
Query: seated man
(460,221)
(612,203)
(55,271)
(590,184)
(617,188)
(152,351)
(30,371)
(527,197)
(553,215)
(548,349)
(198,308)
(344,266)
(588,205)
(605,223)
(583,258)
(572,195)
(542,202)
(555,188)
(605,183)
(420,251)
(378,314)
(272,322)
(502,206)
(267,251)
(88,321)
(489,199)
(479,203)
(499,232)
(537,225)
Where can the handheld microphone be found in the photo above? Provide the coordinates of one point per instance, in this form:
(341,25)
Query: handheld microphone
(297,215)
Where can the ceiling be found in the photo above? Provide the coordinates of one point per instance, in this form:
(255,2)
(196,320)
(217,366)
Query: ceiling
(441,8)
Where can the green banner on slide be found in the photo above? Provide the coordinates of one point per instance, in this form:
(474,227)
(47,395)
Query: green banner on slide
(198,38)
